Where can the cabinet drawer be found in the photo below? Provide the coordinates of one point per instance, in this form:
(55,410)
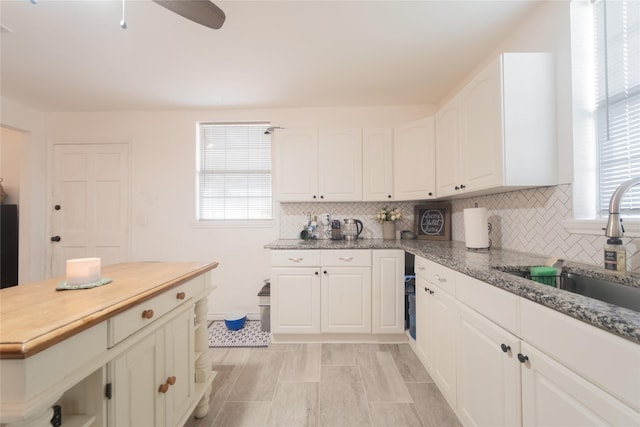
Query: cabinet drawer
(443,277)
(285,258)
(421,267)
(493,303)
(144,314)
(608,361)
(346,258)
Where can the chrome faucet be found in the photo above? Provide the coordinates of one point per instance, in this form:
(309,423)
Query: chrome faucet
(614,226)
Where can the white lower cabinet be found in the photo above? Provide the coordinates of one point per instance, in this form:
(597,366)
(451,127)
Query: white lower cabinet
(346,299)
(387,299)
(337,291)
(553,395)
(501,360)
(488,372)
(153,382)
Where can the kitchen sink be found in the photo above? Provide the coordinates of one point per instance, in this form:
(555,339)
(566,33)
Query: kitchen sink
(600,289)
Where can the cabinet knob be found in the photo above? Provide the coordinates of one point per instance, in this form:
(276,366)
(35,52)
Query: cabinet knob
(431,292)
(163,388)
(316,273)
(522,358)
(388,196)
(505,348)
(324,272)
(181,295)
(462,186)
(171,380)
(56,239)
(430,193)
(57,207)
(321,196)
(147,314)
(426,289)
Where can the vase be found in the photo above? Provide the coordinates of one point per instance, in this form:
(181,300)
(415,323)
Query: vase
(389,230)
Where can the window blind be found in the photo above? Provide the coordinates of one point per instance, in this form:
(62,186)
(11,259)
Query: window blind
(234,171)
(617,44)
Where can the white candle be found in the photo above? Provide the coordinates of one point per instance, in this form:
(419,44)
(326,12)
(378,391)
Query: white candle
(83,270)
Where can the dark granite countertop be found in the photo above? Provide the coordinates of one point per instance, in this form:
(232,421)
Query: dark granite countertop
(487,266)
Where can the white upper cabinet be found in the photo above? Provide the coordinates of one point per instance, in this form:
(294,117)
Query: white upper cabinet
(296,164)
(314,165)
(340,165)
(498,133)
(414,160)
(377,164)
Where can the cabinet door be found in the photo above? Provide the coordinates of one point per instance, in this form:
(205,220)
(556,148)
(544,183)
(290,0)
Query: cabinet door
(481,148)
(295,300)
(179,365)
(448,129)
(488,373)
(414,160)
(387,305)
(422,320)
(296,165)
(137,376)
(377,164)
(442,330)
(552,395)
(340,165)
(346,299)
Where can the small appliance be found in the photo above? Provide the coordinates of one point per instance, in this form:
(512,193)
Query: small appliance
(352,229)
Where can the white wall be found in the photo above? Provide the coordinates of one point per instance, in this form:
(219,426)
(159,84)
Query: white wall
(163,186)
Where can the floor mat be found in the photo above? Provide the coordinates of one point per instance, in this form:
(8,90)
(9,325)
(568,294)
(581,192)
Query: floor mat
(249,336)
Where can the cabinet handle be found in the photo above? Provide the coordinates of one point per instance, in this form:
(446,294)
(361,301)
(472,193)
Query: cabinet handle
(181,295)
(163,388)
(430,193)
(456,188)
(388,196)
(522,358)
(147,314)
(421,267)
(426,289)
(431,292)
(171,380)
(314,196)
(296,259)
(316,273)
(462,186)
(322,197)
(441,279)
(347,259)
(324,272)
(505,348)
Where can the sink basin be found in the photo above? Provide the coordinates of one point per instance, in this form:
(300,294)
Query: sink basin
(600,289)
(603,290)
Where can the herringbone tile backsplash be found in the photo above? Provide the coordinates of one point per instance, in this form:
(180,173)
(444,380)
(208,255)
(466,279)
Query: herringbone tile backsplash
(526,221)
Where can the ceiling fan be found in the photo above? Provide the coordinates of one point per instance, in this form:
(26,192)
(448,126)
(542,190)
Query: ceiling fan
(202,12)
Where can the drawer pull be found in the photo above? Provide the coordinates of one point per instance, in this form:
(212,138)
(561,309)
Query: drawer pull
(347,259)
(171,380)
(181,295)
(147,314)
(296,259)
(421,267)
(441,279)
(163,388)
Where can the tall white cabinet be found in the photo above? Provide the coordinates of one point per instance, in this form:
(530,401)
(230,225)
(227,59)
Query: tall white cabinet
(498,132)
(377,164)
(414,160)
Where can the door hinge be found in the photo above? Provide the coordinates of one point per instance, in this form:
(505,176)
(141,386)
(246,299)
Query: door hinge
(107,391)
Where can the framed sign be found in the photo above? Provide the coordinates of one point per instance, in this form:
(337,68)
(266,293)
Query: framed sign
(433,221)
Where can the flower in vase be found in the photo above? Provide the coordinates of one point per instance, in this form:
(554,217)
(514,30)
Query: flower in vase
(388,214)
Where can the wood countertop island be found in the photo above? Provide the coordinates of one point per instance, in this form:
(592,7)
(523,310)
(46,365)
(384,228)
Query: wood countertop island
(52,340)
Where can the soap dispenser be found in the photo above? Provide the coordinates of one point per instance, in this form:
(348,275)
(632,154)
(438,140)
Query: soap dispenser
(615,256)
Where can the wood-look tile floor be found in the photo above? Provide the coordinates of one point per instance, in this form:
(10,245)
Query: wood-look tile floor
(293,385)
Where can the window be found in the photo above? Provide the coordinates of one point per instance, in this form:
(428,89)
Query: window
(617,63)
(234,171)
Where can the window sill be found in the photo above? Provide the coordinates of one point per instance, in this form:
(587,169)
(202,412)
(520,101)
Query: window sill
(596,227)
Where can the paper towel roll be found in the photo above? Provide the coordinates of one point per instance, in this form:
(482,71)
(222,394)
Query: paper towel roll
(476,233)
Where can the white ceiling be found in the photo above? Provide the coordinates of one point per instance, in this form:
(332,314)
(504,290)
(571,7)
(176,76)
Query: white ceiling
(73,55)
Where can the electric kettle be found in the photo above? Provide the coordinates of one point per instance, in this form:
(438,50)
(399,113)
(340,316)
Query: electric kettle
(352,228)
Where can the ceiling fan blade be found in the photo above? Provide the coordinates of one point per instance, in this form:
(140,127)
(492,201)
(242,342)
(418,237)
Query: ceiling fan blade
(201,11)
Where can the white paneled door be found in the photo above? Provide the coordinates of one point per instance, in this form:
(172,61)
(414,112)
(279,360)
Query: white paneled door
(90,204)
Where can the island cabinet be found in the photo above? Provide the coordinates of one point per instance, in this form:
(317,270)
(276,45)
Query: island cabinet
(336,291)
(318,165)
(129,353)
(498,132)
(516,362)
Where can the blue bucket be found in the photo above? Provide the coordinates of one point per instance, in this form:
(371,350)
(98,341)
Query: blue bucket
(235,320)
